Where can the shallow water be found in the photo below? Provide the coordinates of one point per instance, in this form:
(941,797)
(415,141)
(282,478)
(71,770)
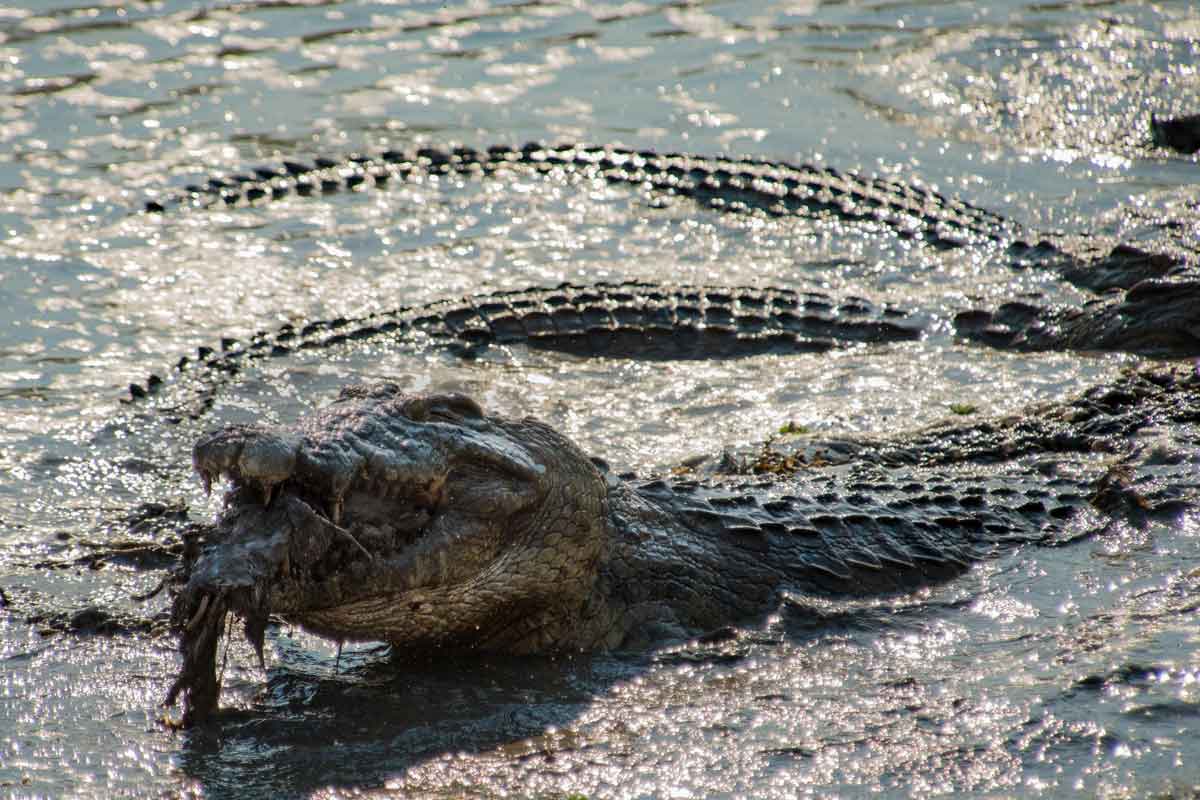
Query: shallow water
(1048,672)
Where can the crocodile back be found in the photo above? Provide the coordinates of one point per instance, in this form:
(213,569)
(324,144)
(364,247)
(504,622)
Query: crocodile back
(871,531)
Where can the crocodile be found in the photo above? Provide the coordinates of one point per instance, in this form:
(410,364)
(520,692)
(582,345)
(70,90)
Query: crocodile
(739,185)
(1145,311)
(632,318)
(422,521)
(649,321)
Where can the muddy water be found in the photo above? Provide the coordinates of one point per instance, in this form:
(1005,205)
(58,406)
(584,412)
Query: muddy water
(1044,673)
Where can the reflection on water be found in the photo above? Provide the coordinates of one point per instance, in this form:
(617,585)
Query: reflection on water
(1050,672)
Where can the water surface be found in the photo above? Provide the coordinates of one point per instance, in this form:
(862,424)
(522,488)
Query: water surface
(1047,672)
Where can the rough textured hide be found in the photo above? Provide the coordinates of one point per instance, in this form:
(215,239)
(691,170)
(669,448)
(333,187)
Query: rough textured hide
(424,522)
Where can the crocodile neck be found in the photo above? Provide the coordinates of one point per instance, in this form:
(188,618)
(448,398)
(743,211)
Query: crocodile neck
(663,579)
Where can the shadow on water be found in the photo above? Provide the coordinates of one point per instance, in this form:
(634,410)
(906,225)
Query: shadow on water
(366,726)
(376,720)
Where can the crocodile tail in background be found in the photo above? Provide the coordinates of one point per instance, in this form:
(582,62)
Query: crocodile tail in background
(775,188)
(649,321)
(727,184)
(645,320)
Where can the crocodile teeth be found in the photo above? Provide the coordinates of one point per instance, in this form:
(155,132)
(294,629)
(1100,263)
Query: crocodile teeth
(195,620)
(268,490)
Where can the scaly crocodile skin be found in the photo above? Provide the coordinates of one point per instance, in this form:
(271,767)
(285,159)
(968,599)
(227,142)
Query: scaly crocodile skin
(422,521)
(723,183)
(632,319)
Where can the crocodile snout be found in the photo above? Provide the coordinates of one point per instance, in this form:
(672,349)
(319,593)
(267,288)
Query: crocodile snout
(246,454)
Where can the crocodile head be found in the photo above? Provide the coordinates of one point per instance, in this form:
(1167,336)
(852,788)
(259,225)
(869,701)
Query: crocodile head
(416,520)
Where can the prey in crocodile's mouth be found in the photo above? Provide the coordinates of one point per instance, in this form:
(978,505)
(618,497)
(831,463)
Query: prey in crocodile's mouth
(385,517)
(379,513)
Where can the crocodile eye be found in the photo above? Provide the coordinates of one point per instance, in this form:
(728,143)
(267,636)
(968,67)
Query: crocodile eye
(455,406)
(416,408)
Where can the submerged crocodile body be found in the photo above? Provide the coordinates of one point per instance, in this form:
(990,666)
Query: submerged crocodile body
(422,521)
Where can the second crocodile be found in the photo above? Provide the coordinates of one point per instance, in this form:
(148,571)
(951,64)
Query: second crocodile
(422,521)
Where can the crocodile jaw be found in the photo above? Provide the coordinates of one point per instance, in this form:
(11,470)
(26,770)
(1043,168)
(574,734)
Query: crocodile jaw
(413,520)
(379,508)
